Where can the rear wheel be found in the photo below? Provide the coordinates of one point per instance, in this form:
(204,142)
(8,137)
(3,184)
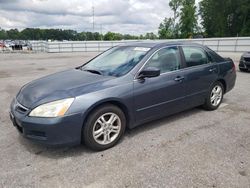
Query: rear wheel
(104,127)
(214,97)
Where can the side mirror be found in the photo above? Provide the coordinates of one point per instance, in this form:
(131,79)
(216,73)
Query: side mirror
(149,72)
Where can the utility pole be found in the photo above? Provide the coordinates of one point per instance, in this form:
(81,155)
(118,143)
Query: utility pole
(93,14)
(101,31)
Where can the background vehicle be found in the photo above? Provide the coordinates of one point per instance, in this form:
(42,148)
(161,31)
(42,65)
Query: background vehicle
(124,87)
(244,64)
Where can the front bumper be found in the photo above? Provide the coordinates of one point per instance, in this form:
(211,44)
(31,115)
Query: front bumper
(49,131)
(244,65)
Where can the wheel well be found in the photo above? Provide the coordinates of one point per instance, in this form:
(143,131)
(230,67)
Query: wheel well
(224,84)
(115,103)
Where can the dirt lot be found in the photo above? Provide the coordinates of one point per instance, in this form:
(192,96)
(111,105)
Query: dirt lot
(194,148)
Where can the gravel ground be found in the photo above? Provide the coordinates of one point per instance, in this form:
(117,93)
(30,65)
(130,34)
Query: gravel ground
(195,148)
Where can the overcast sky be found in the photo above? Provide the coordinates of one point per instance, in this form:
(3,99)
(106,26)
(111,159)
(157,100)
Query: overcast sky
(124,16)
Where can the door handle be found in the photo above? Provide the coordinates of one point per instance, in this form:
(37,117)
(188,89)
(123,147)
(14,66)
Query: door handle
(179,78)
(212,69)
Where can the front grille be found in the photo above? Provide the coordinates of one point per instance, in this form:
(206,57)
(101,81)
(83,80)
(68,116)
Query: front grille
(37,133)
(247,59)
(21,109)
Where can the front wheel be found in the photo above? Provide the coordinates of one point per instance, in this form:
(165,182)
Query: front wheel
(104,127)
(214,97)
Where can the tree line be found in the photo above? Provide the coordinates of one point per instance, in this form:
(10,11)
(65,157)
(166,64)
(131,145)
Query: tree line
(212,18)
(72,35)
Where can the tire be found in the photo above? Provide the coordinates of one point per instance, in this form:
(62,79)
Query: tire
(242,70)
(216,92)
(104,127)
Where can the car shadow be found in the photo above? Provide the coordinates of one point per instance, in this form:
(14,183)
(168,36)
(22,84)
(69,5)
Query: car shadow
(73,151)
(51,151)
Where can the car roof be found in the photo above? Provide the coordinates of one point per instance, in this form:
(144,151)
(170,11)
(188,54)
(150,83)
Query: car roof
(159,44)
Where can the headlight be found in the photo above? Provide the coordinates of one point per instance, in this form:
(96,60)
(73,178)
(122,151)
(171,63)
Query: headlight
(52,109)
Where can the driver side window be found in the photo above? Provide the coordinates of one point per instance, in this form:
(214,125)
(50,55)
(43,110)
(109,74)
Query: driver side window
(166,59)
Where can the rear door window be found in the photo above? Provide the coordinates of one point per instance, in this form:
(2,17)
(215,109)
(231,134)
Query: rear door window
(194,56)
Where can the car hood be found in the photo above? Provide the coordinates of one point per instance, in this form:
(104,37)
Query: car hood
(70,83)
(246,54)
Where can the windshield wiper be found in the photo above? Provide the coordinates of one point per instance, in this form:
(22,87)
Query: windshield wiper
(93,71)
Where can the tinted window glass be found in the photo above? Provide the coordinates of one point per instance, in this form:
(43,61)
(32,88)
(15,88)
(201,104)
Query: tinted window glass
(194,56)
(167,59)
(214,56)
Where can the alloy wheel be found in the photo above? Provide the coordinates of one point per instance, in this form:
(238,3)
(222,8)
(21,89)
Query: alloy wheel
(216,95)
(106,128)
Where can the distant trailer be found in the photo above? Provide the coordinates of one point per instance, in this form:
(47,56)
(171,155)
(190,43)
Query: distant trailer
(17,47)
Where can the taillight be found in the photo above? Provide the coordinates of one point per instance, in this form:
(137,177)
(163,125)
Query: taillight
(234,67)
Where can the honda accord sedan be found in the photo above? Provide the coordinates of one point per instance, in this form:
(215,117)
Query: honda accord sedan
(121,88)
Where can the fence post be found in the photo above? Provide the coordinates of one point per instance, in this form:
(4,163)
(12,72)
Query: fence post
(236,44)
(218,44)
(46,46)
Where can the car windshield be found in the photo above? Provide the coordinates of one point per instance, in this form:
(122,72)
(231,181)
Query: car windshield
(117,61)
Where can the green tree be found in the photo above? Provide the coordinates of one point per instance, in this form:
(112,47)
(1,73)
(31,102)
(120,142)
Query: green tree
(109,36)
(3,34)
(244,18)
(175,6)
(213,17)
(150,36)
(81,36)
(13,34)
(225,18)
(166,29)
(113,36)
(188,18)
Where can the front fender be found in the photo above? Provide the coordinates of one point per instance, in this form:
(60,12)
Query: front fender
(122,95)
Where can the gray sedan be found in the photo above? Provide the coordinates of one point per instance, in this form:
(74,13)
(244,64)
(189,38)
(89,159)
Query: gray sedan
(121,88)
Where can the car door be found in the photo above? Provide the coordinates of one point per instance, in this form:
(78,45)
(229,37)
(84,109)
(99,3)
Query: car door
(200,74)
(162,95)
